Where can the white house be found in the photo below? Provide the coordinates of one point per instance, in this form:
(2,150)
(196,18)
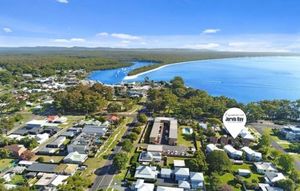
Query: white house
(252,155)
(166,173)
(272,177)
(212,147)
(140,185)
(146,172)
(165,188)
(184,184)
(182,173)
(36,123)
(232,152)
(197,180)
(179,163)
(268,187)
(75,158)
(244,172)
(147,156)
(263,167)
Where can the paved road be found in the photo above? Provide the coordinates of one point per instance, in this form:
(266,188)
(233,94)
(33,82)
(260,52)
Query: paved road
(260,128)
(106,173)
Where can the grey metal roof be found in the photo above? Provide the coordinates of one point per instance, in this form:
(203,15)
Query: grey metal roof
(42,167)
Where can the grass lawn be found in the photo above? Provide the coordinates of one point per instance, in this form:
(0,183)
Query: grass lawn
(184,139)
(228,178)
(48,159)
(283,143)
(92,165)
(4,163)
(18,180)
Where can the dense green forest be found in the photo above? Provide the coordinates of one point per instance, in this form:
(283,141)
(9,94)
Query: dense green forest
(175,99)
(44,61)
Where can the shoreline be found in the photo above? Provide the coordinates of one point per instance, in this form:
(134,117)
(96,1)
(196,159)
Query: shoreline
(131,77)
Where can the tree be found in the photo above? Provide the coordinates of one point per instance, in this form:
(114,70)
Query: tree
(120,161)
(218,161)
(137,130)
(214,181)
(114,107)
(133,136)
(29,143)
(295,147)
(142,118)
(287,185)
(4,153)
(76,183)
(265,141)
(285,161)
(197,163)
(295,176)
(127,145)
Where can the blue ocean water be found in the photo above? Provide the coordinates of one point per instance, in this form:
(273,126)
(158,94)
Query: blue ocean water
(245,79)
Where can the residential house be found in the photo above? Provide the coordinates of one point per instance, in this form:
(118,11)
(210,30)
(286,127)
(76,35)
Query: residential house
(45,181)
(42,167)
(252,155)
(184,184)
(75,158)
(244,172)
(94,130)
(263,167)
(268,187)
(82,143)
(147,156)
(146,172)
(166,173)
(245,134)
(197,180)
(232,152)
(59,180)
(36,123)
(179,163)
(140,185)
(291,132)
(57,143)
(272,177)
(165,188)
(212,147)
(182,174)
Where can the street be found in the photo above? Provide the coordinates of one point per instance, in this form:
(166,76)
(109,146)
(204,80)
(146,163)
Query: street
(105,174)
(260,128)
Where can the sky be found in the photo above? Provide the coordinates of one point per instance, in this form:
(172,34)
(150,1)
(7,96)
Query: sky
(225,25)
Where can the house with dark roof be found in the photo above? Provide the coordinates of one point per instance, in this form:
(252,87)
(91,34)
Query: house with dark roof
(42,167)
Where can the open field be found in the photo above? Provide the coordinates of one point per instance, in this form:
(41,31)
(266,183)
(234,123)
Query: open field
(185,139)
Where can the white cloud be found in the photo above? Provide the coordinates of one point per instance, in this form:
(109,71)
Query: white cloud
(62,1)
(203,46)
(125,36)
(77,40)
(210,31)
(102,34)
(237,44)
(63,40)
(7,30)
(125,41)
